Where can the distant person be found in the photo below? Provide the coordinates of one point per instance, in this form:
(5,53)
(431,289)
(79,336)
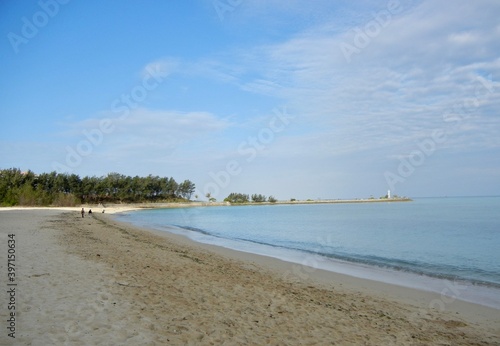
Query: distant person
(83,212)
(90,211)
(103,211)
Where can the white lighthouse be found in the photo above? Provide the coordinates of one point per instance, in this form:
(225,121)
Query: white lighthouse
(389,194)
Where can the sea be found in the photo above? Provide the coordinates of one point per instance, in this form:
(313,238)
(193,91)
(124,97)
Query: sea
(446,245)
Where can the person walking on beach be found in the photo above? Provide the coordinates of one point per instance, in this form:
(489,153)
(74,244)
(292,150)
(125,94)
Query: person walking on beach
(83,212)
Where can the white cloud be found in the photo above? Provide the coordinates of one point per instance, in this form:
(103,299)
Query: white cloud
(428,62)
(147,136)
(464,38)
(423,63)
(393,94)
(161,68)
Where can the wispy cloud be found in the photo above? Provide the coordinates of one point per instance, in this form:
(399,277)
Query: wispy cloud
(150,136)
(396,90)
(161,68)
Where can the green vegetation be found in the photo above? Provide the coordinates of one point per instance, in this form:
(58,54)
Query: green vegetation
(271,199)
(30,189)
(239,198)
(258,198)
(210,198)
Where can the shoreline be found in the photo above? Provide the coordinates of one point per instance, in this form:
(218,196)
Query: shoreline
(305,264)
(447,288)
(131,285)
(319,275)
(112,208)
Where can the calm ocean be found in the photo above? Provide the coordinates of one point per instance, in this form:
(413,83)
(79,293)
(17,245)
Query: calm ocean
(426,243)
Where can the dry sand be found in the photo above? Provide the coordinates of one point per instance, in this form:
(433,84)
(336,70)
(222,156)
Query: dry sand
(94,281)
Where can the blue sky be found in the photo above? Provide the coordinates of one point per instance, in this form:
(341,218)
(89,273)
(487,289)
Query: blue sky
(296,99)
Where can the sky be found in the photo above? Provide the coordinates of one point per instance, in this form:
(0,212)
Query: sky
(296,99)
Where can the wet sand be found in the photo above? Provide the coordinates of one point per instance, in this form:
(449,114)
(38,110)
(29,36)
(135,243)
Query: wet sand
(96,281)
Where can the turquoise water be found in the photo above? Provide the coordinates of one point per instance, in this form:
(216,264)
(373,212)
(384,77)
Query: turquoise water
(456,239)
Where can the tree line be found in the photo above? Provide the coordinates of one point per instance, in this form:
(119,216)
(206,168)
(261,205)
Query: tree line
(244,198)
(62,189)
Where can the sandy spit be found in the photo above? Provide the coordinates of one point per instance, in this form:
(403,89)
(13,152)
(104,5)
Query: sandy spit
(94,281)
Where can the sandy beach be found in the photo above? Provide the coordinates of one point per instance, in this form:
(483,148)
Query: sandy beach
(95,281)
